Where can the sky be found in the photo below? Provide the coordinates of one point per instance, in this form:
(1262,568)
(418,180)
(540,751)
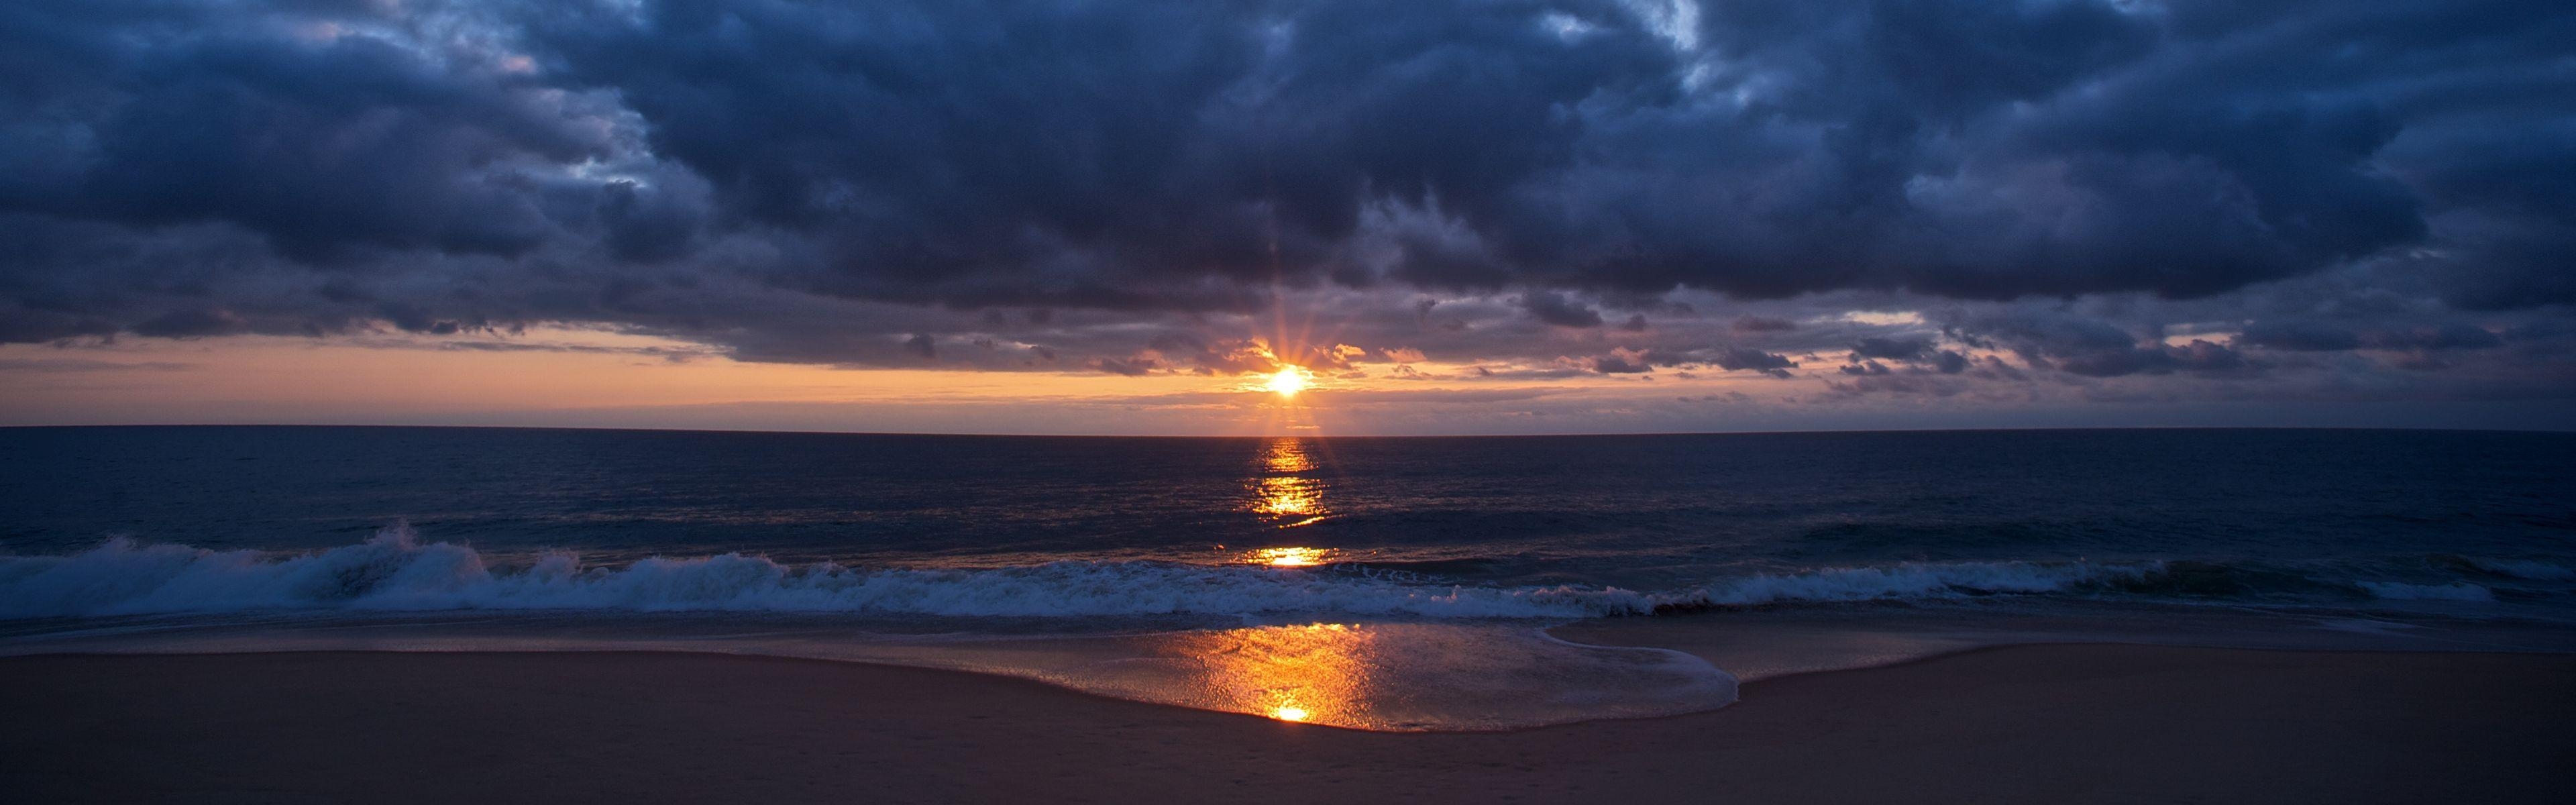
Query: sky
(1448,216)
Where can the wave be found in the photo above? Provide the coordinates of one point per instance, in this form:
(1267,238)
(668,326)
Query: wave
(1913,581)
(2400,591)
(396,571)
(2525,569)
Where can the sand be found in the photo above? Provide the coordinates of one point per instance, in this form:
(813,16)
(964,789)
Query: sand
(2063,723)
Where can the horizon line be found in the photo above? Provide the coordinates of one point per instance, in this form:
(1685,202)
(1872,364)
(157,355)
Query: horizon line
(1610,434)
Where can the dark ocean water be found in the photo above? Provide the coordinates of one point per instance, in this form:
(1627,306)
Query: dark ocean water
(2253,512)
(181,530)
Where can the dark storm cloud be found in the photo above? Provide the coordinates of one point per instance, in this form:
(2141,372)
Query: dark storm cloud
(192,323)
(2448,336)
(2303,336)
(855,183)
(1555,309)
(2318,337)
(1741,358)
(38,326)
(2197,356)
(1867,354)
(1894,348)
(2089,347)
(284,124)
(1130,367)
(1623,361)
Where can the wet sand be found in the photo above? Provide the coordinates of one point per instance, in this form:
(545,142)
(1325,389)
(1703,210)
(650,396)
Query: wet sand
(2064,723)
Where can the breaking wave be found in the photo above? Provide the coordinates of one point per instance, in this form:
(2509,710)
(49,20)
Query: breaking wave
(1914,581)
(395,571)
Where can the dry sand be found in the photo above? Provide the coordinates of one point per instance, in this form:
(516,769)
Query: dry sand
(2068,723)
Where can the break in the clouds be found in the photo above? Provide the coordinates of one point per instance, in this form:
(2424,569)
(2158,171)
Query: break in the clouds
(2288,200)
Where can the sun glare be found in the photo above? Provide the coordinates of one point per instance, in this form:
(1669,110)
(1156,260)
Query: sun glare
(1288,381)
(1290,557)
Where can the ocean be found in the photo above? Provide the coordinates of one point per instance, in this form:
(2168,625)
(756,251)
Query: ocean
(1373,583)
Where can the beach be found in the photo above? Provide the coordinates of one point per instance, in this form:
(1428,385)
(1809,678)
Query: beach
(2046,723)
(1612,402)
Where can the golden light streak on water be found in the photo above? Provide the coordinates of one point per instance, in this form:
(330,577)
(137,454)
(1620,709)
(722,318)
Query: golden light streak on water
(1281,492)
(1288,497)
(1286,456)
(1291,557)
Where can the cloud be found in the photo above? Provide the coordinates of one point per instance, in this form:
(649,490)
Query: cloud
(2057,182)
(1892,348)
(2196,356)
(1555,308)
(2301,336)
(2447,336)
(1868,383)
(1623,360)
(978,156)
(1742,359)
(2309,336)
(190,323)
(1130,367)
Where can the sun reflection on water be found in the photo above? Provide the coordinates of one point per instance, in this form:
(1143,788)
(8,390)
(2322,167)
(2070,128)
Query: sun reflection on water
(1281,493)
(1286,455)
(1290,557)
(1288,496)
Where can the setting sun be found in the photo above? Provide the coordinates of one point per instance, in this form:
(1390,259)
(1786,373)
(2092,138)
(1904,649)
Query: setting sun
(1288,381)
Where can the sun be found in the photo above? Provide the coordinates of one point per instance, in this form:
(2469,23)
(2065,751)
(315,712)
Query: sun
(1287,382)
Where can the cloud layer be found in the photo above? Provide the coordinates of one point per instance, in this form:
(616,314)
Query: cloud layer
(2057,188)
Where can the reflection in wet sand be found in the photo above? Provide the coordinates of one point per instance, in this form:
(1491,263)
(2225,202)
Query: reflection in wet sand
(1292,673)
(1404,676)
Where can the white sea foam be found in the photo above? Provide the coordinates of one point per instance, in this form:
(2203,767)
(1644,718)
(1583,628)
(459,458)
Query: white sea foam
(395,571)
(1922,580)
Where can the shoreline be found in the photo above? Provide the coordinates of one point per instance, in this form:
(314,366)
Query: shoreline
(2035,723)
(1746,687)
